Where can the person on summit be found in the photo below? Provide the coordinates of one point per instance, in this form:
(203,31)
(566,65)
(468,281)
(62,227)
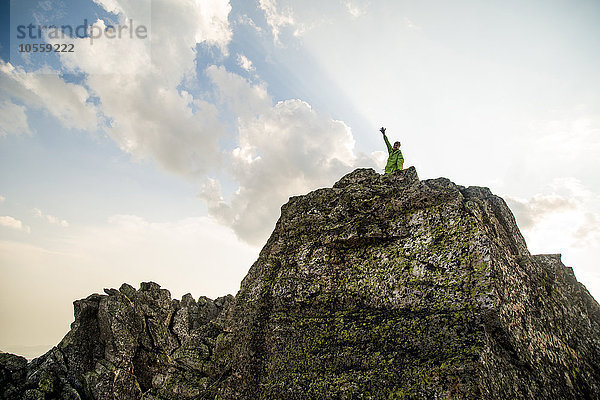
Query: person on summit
(395,159)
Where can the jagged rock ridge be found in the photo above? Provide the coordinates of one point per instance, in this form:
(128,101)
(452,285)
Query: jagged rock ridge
(382,287)
(126,344)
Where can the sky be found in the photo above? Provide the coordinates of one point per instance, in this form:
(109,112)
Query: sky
(163,145)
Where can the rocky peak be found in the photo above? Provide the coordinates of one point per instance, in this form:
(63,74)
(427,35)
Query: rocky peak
(379,287)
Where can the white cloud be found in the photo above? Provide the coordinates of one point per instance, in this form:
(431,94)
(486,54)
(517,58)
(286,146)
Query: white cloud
(111,6)
(189,21)
(288,150)
(154,120)
(246,20)
(50,218)
(588,229)
(13,120)
(45,89)
(357,8)
(245,63)
(531,211)
(139,90)
(283,150)
(572,187)
(559,220)
(13,223)
(277,16)
(242,98)
(2,199)
(140,102)
(380,158)
(300,17)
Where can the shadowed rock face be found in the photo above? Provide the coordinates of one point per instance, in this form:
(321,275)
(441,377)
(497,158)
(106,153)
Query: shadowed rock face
(382,287)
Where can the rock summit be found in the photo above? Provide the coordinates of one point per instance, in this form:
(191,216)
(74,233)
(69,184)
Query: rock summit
(382,287)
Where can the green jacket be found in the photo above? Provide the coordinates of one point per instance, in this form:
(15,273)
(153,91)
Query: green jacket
(395,159)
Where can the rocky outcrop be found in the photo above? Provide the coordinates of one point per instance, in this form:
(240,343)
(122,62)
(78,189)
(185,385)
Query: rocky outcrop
(389,287)
(124,345)
(382,287)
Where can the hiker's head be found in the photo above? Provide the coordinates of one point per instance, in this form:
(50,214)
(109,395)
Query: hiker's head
(396,145)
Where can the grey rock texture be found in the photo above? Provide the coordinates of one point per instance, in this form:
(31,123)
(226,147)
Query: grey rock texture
(126,344)
(382,287)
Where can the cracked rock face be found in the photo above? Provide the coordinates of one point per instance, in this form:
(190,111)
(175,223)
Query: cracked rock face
(382,287)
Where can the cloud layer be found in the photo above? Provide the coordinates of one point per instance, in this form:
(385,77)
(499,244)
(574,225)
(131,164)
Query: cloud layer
(140,93)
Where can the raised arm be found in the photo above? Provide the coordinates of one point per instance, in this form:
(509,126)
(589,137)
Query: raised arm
(387,142)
